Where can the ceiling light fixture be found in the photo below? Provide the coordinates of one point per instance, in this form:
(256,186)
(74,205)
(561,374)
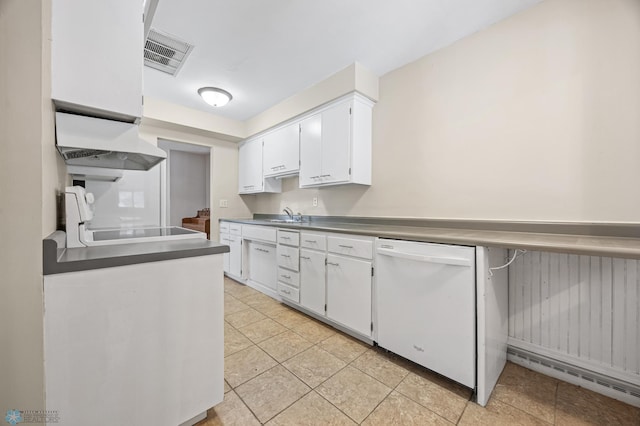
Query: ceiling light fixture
(214,96)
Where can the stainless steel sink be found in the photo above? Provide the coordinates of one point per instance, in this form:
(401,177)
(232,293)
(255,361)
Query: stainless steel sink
(284,221)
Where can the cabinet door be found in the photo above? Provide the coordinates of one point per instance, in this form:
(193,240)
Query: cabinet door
(235,256)
(312,280)
(336,143)
(250,167)
(97,56)
(224,239)
(282,151)
(349,292)
(262,264)
(311,151)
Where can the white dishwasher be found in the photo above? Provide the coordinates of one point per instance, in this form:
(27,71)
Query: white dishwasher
(425,300)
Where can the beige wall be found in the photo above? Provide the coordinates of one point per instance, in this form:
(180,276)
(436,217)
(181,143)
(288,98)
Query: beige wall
(534,118)
(29,177)
(223,171)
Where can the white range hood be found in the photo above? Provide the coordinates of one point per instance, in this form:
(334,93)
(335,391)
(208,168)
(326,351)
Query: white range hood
(96,142)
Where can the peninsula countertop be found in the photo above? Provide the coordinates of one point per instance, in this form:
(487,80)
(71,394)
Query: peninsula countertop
(59,259)
(595,239)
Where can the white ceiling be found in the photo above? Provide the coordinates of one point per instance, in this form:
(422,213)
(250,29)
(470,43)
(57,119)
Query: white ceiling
(263,51)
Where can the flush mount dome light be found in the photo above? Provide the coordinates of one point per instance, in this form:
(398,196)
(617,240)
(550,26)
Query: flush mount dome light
(214,96)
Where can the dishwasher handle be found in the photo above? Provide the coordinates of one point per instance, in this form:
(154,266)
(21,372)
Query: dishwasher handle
(454,261)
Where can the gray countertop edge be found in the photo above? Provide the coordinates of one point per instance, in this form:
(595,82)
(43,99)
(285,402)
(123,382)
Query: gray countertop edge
(57,259)
(584,244)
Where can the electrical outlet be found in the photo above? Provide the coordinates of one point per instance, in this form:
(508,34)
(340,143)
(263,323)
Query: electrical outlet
(224,204)
(315,201)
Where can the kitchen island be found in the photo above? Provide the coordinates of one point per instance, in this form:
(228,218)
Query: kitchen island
(133,332)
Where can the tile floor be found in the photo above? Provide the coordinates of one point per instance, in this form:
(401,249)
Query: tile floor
(285,368)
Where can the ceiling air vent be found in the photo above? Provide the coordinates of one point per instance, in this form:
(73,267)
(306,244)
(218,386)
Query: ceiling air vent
(164,52)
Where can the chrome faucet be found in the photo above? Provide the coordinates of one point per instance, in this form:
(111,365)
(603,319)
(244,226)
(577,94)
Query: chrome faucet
(289,212)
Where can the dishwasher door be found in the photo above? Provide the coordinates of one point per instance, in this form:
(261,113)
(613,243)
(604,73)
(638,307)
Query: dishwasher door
(425,300)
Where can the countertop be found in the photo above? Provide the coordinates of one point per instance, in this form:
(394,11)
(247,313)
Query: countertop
(59,259)
(595,239)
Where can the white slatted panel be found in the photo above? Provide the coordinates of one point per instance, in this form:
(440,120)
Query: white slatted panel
(583,307)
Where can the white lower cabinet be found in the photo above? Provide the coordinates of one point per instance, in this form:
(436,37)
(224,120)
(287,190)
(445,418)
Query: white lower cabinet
(349,292)
(312,280)
(262,264)
(235,256)
(224,239)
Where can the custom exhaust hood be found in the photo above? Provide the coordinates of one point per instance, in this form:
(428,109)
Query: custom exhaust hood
(96,142)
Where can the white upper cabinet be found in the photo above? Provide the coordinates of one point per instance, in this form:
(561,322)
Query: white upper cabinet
(335,144)
(282,151)
(97,57)
(250,177)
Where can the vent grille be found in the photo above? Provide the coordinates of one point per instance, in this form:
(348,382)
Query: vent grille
(164,52)
(630,391)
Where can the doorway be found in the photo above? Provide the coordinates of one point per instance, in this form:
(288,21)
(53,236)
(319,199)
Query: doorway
(184,181)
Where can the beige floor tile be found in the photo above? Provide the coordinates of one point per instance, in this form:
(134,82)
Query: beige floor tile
(314,366)
(233,305)
(245,365)
(227,388)
(353,392)
(258,298)
(314,332)
(291,318)
(441,381)
(527,390)
(285,345)
(270,307)
(344,347)
(433,396)
(311,410)
(497,413)
(231,411)
(580,406)
(262,330)
(271,392)
(245,317)
(397,409)
(381,367)
(234,341)
(239,291)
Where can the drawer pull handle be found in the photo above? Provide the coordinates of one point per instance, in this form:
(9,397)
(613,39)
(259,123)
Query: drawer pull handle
(305,258)
(344,246)
(262,250)
(333,264)
(285,255)
(286,291)
(286,238)
(311,241)
(418,348)
(286,276)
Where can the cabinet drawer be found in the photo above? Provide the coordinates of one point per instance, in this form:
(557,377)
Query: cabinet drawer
(289,292)
(235,229)
(224,227)
(288,257)
(260,233)
(351,246)
(289,238)
(313,241)
(289,277)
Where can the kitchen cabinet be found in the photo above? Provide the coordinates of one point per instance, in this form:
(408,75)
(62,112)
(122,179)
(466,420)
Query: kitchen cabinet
(260,258)
(231,235)
(107,84)
(288,265)
(349,279)
(312,280)
(282,151)
(335,144)
(250,176)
